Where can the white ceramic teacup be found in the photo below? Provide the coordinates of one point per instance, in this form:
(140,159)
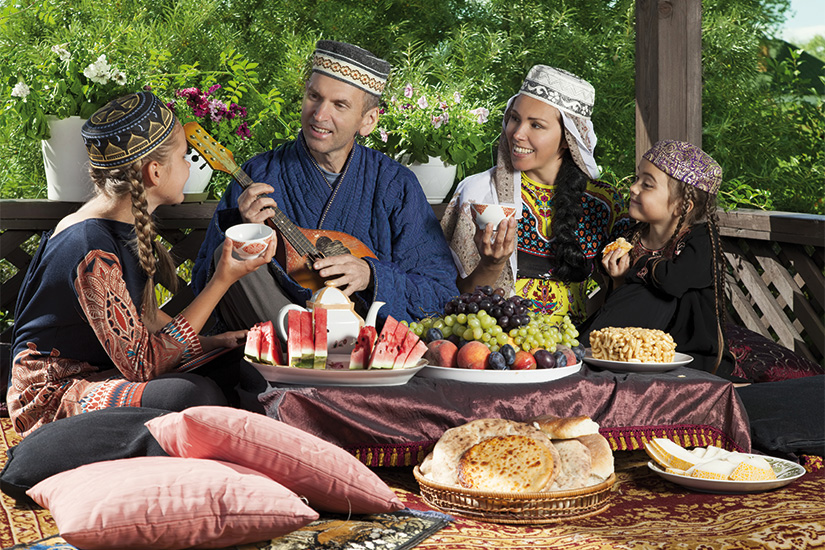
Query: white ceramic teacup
(249,240)
(491,213)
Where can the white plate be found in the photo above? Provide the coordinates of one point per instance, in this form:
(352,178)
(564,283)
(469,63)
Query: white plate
(785,470)
(337,377)
(499,376)
(636,366)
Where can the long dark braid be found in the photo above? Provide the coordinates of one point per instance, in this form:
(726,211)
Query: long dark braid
(154,258)
(571,183)
(704,209)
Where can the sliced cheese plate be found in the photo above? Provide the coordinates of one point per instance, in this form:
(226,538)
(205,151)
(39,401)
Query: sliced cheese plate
(636,366)
(338,377)
(785,470)
(499,376)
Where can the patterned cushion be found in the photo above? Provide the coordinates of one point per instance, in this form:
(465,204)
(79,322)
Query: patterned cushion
(759,359)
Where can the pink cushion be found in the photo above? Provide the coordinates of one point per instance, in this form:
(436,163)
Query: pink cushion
(329,477)
(168,503)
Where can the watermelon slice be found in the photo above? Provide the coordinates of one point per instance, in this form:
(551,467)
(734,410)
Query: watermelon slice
(383,354)
(270,345)
(307,340)
(415,354)
(294,348)
(360,356)
(319,317)
(252,348)
(406,340)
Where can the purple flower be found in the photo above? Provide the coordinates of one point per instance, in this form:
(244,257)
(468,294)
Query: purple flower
(443,105)
(236,110)
(213,88)
(384,135)
(217,110)
(243,131)
(408,90)
(437,121)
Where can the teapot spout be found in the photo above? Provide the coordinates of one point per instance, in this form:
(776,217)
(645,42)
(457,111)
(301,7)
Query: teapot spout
(372,314)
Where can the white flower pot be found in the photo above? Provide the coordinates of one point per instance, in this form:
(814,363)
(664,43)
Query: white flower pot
(436,178)
(199,175)
(66,161)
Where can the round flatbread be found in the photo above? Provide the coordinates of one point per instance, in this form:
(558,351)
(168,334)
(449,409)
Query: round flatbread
(441,465)
(510,463)
(574,466)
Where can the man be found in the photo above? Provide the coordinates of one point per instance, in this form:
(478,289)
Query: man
(324,180)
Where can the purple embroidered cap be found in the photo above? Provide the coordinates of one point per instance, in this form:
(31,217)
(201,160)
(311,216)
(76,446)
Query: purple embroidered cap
(687,163)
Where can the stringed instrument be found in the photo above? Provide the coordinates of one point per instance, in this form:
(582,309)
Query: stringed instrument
(302,247)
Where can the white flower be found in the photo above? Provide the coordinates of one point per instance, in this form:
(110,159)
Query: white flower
(437,121)
(384,135)
(98,71)
(119,77)
(20,90)
(422,102)
(62,52)
(481,113)
(408,90)
(457,97)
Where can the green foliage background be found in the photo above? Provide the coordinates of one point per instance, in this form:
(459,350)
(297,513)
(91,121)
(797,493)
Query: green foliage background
(762,119)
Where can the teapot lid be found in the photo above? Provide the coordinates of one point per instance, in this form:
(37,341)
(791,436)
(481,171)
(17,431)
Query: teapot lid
(331,297)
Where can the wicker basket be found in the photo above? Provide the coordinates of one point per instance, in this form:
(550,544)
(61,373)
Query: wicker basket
(517,508)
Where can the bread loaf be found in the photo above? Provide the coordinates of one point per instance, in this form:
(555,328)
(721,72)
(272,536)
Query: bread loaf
(510,463)
(565,428)
(601,457)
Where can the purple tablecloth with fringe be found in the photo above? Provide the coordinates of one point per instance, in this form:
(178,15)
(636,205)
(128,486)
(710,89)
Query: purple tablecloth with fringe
(399,425)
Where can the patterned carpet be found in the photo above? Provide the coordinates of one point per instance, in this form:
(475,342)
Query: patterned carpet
(646,512)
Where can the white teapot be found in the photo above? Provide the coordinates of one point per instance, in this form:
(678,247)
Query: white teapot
(343,323)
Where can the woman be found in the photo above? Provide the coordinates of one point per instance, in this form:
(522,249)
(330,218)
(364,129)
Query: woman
(88,333)
(564,216)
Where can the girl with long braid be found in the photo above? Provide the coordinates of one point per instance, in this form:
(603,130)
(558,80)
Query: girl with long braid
(564,214)
(88,332)
(673,278)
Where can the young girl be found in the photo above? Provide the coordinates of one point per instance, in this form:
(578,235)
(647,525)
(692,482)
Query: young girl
(564,215)
(673,278)
(88,333)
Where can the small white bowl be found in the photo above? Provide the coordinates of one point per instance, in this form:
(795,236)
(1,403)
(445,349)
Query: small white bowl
(250,240)
(490,213)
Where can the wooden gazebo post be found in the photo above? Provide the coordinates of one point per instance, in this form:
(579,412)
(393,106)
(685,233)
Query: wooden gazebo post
(668,72)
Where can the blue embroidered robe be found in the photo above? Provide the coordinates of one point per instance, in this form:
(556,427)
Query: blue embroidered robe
(376,200)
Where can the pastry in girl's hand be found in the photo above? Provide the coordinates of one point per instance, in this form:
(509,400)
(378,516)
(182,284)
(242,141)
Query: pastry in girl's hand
(620,244)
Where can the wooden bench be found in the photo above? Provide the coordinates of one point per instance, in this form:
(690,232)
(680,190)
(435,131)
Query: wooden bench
(776,262)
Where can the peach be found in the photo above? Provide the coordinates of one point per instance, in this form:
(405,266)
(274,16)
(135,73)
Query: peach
(441,353)
(473,355)
(524,361)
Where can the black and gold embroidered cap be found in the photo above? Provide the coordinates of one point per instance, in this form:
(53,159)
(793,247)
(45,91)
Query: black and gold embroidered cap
(351,64)
(126,129)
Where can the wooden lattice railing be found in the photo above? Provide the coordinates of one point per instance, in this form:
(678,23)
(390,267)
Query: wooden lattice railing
(776,263)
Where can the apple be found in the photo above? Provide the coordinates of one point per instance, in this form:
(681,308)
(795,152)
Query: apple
(441,353)
(524,361)
(473,355)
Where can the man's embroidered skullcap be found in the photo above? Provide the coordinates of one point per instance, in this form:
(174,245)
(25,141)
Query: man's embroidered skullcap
(126,129)
(352,65)
(687,163)
(564,91)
